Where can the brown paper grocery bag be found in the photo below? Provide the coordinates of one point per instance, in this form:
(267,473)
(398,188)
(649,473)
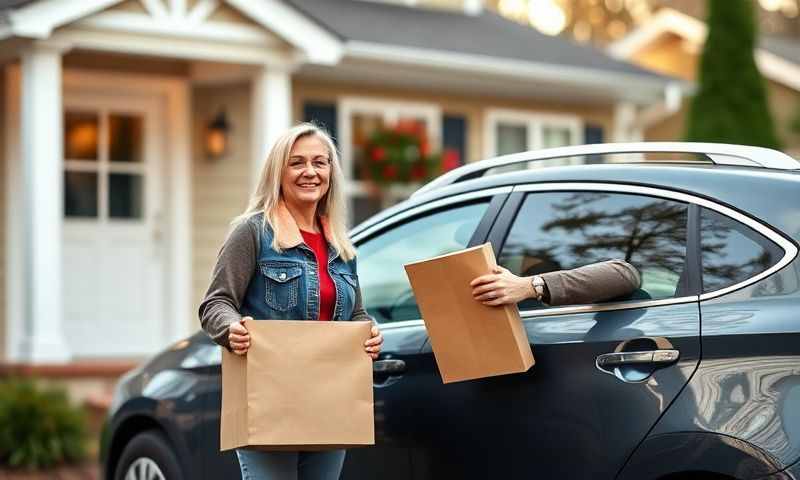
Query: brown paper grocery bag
(303,385)
(470,340)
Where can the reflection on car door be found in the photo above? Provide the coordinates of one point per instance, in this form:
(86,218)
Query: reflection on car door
(602,377)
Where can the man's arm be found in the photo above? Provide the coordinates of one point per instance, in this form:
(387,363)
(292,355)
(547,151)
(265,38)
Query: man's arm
(588,284)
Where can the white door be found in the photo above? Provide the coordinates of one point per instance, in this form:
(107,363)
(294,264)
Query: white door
(113,258)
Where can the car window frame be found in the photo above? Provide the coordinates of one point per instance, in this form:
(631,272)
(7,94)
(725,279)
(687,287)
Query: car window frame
(700,252)
(505,220)
(497,198)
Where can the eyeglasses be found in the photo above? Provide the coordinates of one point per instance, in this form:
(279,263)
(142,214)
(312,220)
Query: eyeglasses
(319,164)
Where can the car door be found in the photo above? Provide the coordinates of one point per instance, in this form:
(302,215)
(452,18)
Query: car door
(428,230)
(205,361)
(604,373)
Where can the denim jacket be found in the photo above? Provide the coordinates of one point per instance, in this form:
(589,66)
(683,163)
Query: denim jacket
(251,278)
(285,286)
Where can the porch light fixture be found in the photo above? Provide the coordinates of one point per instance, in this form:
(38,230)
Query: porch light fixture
(216,138)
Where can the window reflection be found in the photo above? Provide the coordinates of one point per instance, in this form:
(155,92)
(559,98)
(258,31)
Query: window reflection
(564,230)
(386,289)
(81,135)
(80,194)
(732,252)
(125,138)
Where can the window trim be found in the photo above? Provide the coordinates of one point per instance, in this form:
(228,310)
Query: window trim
(390,109)
(534,121)
(789,248)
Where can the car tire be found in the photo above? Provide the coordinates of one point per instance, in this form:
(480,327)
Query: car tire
(148,456)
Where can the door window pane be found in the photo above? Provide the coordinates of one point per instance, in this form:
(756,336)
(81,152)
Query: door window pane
(125,138)
(732,252)
(125,195)
(80,194)
(387,292)
(81,130)
(564,230)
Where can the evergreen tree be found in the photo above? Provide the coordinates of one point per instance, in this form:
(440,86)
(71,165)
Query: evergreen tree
(731,102)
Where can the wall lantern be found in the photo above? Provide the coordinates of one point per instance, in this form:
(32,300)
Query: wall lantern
(216,141)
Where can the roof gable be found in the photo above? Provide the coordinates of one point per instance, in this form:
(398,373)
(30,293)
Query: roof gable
(777,58)
(39,19)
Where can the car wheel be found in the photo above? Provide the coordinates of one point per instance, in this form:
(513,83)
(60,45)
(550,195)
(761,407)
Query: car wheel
(148,456)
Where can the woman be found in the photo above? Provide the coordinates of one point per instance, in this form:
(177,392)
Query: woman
(288,257)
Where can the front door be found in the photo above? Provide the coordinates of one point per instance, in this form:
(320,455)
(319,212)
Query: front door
(113,256)
(582,409)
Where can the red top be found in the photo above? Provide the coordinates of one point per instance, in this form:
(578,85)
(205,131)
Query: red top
(327,289)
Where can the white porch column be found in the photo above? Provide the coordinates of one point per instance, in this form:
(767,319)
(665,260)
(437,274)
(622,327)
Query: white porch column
(272,111)
(624,122)
(42,164)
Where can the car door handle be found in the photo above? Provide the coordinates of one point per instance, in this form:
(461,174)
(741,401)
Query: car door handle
(388,366)
(657,357)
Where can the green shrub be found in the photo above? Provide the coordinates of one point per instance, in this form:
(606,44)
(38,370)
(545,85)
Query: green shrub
(39,426)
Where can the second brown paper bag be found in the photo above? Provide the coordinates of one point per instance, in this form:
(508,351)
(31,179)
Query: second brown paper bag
(470,340)
(303,385)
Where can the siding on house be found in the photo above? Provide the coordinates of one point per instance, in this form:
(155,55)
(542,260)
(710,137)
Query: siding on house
(130,6)
(123,63)
(668,55)
(784,103)
(3,162)
(473,108)
(220,189)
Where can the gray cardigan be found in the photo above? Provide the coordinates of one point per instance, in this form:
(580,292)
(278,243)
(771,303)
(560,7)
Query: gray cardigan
(236,264)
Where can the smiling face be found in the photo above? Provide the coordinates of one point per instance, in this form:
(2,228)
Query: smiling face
(306,176)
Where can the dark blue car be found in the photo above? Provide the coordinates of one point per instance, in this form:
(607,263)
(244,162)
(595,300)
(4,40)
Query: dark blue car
(695,375)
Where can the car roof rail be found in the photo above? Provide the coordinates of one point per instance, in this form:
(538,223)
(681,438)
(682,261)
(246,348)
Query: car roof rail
(716,153)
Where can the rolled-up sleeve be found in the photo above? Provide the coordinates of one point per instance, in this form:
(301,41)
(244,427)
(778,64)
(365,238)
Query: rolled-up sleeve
(230,278)
(592,283)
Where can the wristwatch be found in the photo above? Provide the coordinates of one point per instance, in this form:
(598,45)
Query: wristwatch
(538,286)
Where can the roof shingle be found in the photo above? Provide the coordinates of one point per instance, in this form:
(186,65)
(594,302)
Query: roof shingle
(485,34)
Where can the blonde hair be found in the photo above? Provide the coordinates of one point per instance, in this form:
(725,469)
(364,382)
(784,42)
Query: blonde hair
(267,195)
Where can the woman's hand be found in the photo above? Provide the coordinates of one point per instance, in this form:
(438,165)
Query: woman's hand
(501,287)
(373,345)
(238,337)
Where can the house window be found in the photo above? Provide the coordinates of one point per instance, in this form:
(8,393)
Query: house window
(358,119)
(509,131)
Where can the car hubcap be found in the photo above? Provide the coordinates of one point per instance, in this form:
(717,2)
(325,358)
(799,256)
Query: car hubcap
(144,469)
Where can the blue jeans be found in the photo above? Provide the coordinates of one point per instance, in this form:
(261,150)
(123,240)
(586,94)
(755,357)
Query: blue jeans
(261,465)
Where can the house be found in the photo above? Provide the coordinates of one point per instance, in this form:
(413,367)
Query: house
(672,42)
(112,209)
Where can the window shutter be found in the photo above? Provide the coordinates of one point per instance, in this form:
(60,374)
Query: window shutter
(322,114)
(592,134)
(454,135)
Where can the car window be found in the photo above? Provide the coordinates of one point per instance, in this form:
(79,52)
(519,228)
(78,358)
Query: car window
(732,252)
(385,287)
(564,230)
